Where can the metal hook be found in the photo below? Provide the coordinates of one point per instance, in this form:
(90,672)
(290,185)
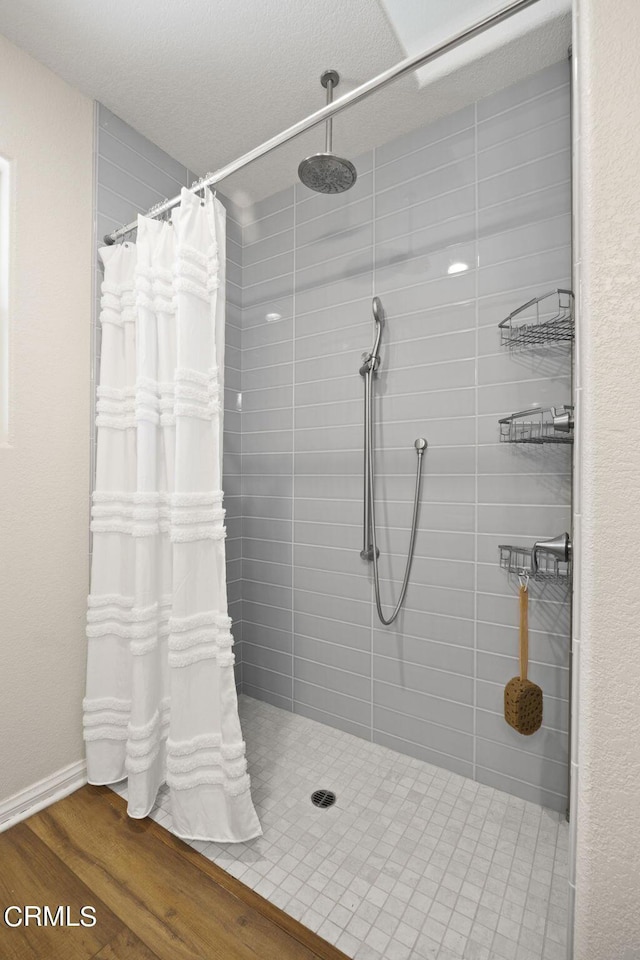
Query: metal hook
(199,187)
(207,176)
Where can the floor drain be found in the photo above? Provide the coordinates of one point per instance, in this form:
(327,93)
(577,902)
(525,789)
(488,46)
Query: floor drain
(323,798)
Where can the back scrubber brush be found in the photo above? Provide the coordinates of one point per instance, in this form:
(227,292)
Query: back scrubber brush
(522,698)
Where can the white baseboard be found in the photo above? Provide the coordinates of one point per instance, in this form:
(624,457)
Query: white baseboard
(40,795)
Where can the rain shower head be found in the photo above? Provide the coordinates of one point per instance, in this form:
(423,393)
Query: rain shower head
(326,172)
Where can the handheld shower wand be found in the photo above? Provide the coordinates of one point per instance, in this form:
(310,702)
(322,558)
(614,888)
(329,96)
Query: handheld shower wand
(372,359)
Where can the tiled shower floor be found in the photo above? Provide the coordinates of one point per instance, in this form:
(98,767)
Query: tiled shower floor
(412,862)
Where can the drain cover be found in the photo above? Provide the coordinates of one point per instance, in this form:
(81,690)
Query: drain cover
(323,798)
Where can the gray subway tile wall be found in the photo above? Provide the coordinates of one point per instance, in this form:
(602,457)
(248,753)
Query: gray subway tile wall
(131,175)
(489,187)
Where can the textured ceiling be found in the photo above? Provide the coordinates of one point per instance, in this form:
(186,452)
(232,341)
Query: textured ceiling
(208,81)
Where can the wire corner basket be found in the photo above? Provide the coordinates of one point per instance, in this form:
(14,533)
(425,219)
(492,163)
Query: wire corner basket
(538,425)
(547,561)
(545,319)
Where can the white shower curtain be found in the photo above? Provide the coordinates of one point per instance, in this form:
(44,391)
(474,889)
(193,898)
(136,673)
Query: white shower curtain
(161,702)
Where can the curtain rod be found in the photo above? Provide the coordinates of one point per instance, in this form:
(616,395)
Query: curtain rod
(346,100)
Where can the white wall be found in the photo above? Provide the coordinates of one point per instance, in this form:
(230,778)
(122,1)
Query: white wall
(607,628)
(47,133)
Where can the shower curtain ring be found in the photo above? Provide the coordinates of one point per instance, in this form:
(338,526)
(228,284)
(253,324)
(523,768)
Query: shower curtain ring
(196,187)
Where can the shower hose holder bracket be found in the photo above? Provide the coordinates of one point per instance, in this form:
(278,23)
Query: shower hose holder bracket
(368,554)
(370,363)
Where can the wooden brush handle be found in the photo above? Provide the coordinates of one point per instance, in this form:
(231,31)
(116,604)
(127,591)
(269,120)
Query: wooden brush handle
(524,632)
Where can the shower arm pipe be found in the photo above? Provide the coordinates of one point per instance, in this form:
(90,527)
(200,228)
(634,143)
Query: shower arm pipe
(328,141)
(336,106)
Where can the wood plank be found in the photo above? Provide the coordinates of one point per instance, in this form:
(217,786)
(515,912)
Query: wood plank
(31,874)
(126,946)
(295,929)
(155,888)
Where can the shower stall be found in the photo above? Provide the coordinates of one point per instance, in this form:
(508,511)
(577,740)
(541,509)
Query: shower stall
(376,624)
(452,227)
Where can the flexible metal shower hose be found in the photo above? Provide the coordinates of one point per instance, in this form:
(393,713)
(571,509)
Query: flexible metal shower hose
(368,390)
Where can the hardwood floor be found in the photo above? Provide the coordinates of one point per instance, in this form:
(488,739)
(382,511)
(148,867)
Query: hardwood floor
(155,898)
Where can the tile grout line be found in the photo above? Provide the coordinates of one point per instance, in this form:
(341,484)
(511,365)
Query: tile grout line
(334,259)
(443,278)
(240,393)
(458,332)
(372,607)
(151,163)
(93,344)
(413,689)
(396,237)
(293,448)
(476,465)
(427,200)
(512,291)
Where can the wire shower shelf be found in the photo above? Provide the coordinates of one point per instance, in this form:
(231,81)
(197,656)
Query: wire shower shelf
(545,319)
(538,425)
(518,561)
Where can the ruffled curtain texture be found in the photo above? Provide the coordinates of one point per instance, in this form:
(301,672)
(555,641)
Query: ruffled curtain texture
(161,702)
